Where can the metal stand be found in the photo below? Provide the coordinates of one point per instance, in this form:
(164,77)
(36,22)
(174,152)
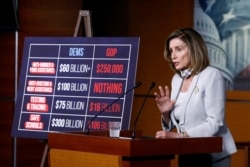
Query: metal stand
(16,83)
(88,32)
(87,24)
(45,152)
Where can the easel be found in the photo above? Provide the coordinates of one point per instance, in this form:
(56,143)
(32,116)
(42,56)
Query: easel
(87,24)
(88,32)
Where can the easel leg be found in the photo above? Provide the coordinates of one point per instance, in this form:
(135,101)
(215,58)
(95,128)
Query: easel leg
(44,155)
(87,23)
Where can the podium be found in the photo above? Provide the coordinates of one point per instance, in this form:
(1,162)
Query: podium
(139,152)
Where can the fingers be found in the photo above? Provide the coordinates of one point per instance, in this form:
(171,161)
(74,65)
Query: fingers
(157,95)
(161,134)
(166,134)
(158,134)
(167,93)
(162,92)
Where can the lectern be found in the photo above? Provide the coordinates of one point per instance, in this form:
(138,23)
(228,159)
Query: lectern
(139,152)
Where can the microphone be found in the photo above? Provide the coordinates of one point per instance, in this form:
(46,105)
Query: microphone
(150,88)
(137,84)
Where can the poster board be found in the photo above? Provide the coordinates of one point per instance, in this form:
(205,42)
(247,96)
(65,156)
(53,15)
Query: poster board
(66,81)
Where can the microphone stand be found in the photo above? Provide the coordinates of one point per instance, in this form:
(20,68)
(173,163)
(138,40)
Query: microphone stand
(136,120)
(136,86)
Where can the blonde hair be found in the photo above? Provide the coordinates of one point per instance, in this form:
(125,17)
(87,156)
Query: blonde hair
(199,58)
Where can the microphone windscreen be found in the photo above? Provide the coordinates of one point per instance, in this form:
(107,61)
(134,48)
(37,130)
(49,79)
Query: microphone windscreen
(137,84)
(152,85)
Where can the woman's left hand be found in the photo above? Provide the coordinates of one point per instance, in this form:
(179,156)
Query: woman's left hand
(166,134)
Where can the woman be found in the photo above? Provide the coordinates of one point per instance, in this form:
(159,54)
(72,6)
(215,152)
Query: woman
(196,105)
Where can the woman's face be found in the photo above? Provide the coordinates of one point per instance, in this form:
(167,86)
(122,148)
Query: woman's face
(179,54)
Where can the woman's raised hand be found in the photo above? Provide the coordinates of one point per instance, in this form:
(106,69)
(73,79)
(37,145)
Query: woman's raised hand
(163,101)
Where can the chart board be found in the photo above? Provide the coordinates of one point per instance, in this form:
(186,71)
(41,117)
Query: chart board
(65,82)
